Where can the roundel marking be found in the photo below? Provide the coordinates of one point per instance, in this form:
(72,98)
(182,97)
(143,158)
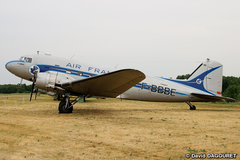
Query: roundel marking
(33,69)
(198,81)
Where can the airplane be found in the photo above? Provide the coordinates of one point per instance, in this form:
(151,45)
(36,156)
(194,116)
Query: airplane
(80,80)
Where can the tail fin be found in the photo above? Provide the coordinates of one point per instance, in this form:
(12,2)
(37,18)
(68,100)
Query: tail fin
(208,77)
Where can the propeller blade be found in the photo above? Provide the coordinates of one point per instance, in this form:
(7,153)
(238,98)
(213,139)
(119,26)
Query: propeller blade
(36,93)
(33,84)
(32,91)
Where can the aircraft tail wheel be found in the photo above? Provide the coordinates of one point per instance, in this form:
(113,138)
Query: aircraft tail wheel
(193,108)
(63,108)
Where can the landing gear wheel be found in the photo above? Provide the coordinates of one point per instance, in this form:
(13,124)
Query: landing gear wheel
(63,108)
(193,108)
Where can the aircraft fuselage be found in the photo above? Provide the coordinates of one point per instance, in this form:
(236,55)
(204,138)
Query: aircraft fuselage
(156,89)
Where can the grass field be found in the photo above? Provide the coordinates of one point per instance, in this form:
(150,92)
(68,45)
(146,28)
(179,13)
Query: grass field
(115,129)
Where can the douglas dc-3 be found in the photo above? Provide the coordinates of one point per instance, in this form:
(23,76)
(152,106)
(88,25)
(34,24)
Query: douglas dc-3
(58,75)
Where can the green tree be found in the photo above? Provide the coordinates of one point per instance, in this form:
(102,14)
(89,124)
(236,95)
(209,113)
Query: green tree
(232,91)
(183,76)
(228,81)
(12,88)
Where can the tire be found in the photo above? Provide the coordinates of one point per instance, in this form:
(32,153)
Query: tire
(62,108)
(193,108)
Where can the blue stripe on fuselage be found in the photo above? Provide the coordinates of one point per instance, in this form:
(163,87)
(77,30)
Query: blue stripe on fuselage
(148,87)
(45,68)
(20,61)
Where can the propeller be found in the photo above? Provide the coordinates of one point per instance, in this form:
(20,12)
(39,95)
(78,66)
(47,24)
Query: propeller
(33,84)
(36,93)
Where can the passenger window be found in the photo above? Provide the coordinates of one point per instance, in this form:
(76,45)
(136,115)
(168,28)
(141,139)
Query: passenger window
(68,71)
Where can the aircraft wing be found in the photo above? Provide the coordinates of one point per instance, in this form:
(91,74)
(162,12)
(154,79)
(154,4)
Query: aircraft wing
(107,85)
(212,97)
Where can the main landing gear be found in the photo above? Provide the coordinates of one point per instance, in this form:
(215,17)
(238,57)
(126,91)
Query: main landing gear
(66,105)
(192,107)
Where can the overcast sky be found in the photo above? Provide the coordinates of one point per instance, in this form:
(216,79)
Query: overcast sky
(158,37)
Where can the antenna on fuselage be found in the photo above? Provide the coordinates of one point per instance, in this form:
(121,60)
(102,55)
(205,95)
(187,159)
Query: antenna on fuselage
(116,66)
(45,53)
(72,57)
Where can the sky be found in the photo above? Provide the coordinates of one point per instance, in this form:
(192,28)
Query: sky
(158,37)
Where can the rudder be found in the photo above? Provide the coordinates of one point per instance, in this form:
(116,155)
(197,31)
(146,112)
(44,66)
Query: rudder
(210,74)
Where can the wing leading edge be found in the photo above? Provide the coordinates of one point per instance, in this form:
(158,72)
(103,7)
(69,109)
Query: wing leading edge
(213,98)
(107,85)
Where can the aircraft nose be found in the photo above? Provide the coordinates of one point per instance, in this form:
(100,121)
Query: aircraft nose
(10,66)
(7,65)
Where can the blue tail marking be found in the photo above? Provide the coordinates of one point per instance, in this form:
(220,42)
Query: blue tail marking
(197,82)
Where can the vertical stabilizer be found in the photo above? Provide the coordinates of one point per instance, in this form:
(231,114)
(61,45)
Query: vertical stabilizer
(209,74)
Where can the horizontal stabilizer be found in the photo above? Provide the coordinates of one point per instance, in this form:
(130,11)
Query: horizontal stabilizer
(214,98)
(107,85)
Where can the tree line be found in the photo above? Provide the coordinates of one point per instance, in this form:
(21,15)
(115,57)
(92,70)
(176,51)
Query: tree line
(230,87)
(14,88)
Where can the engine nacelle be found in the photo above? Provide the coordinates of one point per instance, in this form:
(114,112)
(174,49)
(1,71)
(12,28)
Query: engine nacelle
(47,80)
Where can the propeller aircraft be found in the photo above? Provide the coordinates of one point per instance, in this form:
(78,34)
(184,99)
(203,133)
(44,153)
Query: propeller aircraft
(80,80)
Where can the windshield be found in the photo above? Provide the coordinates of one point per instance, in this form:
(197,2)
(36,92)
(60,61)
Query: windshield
(26,59)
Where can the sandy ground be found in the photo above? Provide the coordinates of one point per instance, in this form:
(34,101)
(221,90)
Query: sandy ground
(115,129)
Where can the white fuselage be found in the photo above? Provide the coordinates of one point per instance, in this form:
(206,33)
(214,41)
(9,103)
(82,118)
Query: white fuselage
(150,89)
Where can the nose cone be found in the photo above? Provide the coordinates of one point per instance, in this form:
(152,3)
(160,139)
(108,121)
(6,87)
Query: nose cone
(11,66)
(18,68)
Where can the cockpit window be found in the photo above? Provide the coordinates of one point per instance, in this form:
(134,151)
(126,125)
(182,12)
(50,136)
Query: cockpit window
(26,59)
(22,59)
